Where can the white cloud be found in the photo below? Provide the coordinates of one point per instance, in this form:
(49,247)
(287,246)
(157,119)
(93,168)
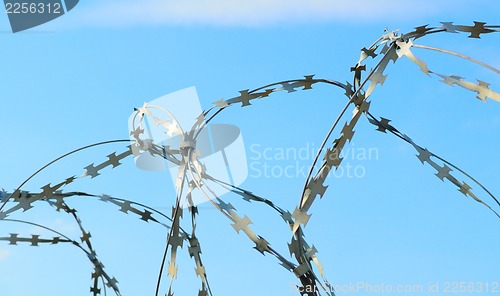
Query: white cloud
(4,254)
(249,12)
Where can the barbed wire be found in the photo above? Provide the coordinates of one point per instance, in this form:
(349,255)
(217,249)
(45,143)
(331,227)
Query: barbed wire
(192,174)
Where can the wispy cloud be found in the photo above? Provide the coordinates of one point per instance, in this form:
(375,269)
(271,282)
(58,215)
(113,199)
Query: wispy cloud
(250,13)
(4,254)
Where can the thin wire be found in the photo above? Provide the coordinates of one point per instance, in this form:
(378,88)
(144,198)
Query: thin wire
(448,163)
(174,221)
(318,154)
(56,160)
(458,55)
(41,226)
(272,251)
(68,194)
(341,85)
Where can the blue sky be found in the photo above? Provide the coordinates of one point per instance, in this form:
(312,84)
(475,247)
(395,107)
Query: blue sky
(76,80)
